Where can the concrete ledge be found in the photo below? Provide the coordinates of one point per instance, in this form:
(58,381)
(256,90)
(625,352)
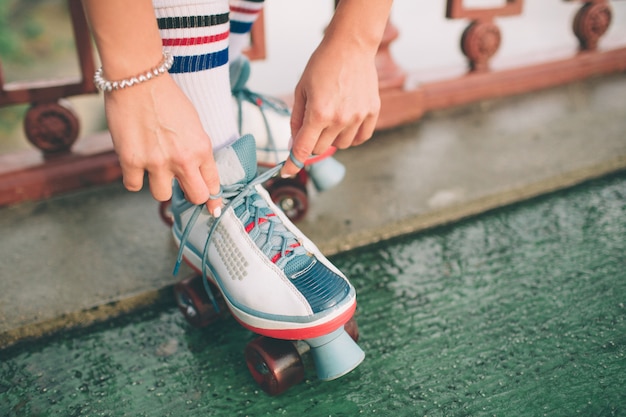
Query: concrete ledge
(470,208)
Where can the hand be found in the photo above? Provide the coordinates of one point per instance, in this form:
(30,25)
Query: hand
(336,102)
(156,129)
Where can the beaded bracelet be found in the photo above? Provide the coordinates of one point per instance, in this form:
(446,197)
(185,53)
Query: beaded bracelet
(105,85)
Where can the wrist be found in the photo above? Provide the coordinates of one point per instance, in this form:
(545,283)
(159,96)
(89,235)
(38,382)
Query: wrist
(359,24)
(126,34)
(103,83)
(118,63)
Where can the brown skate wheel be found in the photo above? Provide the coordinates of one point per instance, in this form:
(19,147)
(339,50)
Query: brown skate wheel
(166,213)
(290,198)
(194,302)
(302,178)
(274,364)
(352,328)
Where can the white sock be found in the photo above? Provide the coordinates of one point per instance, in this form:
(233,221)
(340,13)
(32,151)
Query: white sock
(196,32)
(243,13)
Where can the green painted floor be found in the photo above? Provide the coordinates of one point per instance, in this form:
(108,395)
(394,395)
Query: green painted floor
(517,312)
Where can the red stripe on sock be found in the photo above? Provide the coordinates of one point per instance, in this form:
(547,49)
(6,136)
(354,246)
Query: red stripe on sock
(244,10)
(200,40)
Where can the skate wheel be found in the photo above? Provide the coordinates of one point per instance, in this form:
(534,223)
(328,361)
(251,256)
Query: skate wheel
(352,328)
(166,213)
(194,302)
(302,178)
(274,364)
(291,199)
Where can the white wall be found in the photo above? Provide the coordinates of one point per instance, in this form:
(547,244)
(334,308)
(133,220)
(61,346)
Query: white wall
(428,46)
(293,29)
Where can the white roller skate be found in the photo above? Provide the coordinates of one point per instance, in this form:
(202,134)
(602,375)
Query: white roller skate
(272,278)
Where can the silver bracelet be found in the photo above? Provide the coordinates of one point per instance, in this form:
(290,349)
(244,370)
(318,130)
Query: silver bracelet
(107,86)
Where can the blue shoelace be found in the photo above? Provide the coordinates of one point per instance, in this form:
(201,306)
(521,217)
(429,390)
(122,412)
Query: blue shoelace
(272,237)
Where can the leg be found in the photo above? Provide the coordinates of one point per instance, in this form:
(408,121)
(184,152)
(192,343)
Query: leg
(196,32)
(243,13)
(274,280)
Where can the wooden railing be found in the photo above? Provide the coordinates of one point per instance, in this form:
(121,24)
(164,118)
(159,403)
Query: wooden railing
(479,42)
(60,163)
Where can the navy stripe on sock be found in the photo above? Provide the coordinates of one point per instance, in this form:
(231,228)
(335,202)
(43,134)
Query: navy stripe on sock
(195,63)
(240,27)
(192,21)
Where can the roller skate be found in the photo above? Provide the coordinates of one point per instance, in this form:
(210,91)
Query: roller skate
(275,282)
(268,120)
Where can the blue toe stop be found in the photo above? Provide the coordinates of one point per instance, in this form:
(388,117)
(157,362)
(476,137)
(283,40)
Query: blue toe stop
(335,354)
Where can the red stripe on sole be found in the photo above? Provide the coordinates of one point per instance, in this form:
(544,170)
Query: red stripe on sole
(303,333)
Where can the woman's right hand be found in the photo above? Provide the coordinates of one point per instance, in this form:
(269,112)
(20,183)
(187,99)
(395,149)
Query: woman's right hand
(156,129)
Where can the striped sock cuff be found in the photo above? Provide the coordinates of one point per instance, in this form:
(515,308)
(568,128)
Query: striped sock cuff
(196,63)
(243,13)
(197,35)
(183,22)
(159,4)
(198,41)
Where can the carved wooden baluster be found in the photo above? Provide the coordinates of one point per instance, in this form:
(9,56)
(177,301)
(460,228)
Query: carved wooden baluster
(52,127)
(50,123)
(481,39)
(591,22)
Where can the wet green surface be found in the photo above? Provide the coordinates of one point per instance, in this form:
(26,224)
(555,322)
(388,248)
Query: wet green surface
(518,312)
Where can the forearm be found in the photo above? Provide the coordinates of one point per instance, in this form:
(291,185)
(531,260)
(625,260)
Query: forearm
(126,35)
(359,24)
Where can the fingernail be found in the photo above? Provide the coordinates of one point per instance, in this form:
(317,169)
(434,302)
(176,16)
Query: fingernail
(217,212)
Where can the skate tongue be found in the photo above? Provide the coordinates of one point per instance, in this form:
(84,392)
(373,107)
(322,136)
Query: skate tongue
(237,163)
(238,168)
(239,74)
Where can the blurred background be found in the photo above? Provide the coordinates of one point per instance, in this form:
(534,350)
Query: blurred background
(36,43)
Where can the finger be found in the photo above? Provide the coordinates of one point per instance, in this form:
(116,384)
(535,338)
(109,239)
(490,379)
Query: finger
(297,113)
(346,137)
(302,148)
(132,178)
(196,190)
(325,141)
(215,204)
(366,130)
(160,185)
(211,179)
